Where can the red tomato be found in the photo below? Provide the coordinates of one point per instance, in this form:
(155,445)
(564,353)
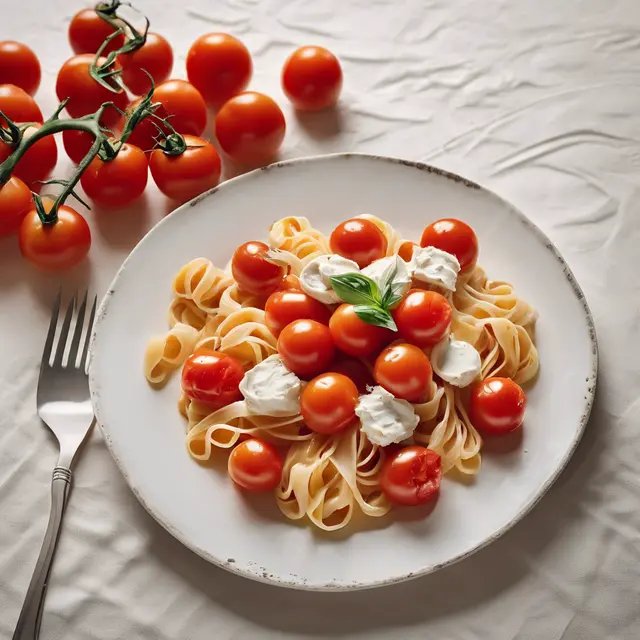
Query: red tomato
(328,403)
(356,370)
(423,317)
(19,66)
(155,57)
(77,144)
(411,476)
(219,66)
(250,128)
(191,173)
(306,347)
(182,103)
(56,246)
(312,78)
(86,94)
(117,182)
(283,307)
(497,406)
(253,272)
(212,378)
(405,371)
(455,237)
(15,203)
(255,465)
(87,32)
(37,163)
(289,283)
(359,240)
(406,250)
(18,105)
(355,336)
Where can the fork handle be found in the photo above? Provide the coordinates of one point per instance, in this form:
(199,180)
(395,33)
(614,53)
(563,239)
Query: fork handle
(28,626)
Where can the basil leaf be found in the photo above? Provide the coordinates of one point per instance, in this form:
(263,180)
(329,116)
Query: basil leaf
(355,288)
(390,299)
(389,274)
(376,316)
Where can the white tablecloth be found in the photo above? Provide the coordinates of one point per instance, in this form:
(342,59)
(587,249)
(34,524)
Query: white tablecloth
(537,99)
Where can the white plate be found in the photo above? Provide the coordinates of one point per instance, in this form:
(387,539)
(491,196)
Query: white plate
(249,536)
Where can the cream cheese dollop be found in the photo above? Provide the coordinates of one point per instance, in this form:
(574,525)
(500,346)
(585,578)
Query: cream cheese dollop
(270,389)
(314,278)
(379,271)
(435,267)
(455,361)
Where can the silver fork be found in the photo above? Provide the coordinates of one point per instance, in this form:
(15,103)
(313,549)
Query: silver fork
(64,405)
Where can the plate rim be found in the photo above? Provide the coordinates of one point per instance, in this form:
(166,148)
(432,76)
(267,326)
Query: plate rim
(264,577)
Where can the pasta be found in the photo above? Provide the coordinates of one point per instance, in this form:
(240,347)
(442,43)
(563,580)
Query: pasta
(326,477)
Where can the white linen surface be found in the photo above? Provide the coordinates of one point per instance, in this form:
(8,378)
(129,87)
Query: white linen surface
(538,100)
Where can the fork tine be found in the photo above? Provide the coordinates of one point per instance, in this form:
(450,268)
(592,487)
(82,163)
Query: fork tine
(77,334)
(46,354)
(84,361)
(64,333)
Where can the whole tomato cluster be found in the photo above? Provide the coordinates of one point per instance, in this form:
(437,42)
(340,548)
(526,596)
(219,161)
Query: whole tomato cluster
(117,65)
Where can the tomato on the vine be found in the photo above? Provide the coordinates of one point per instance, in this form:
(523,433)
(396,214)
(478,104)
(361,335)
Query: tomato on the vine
(497,406)
(18,105)
(179,101)
(405,371)
(306,347)
(255,465)
(354,336)
(328,403)
(250,128)
(19,66)
(411,476)
(219,66)
(312,78)
(155,57)
(86,94)
(77,144)
(15,203)
(359,240)
(455,237)
(57,246)
(212,378)
(37,163)
(423,317)
(117,182)
(252,270)
(189,174)
(283,307)
(87,32)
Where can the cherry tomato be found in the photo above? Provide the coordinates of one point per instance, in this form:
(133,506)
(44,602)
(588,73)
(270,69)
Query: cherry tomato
(306,347)
(411,476)
(18,105)
(355,336)
(86,94)
(356,370)
(359,240)
(455,237)
(15,203)
(117,182)
(312,78)
(212,378)
(328,403)
(283,307)
(87,32)
(255,465)
(37,163)
(250,128)
(189,174)
(219,66)
(289,283)
(178,100)
(406,250)
(423,317)
(19,66)
(54,246)
(77,144)
(497,406)
(405,371)
(155,57)
(253,272)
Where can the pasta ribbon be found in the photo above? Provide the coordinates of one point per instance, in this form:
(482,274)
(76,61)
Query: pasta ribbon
(202,283)
(168,352)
